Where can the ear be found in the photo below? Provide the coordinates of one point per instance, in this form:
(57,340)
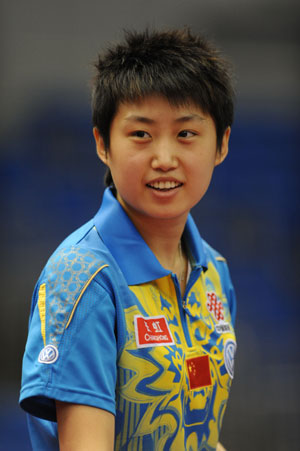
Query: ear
(101,150)
(222,153)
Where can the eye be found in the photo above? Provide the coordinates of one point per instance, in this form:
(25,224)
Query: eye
(141,134)
(186,134)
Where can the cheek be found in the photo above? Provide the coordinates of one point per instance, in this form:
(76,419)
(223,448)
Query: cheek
(203,165)
(134,164)
(200,173)
(126,172)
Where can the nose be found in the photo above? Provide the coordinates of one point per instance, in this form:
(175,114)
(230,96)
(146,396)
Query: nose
(164,157)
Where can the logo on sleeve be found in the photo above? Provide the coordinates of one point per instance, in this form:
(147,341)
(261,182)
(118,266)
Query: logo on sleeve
(49,354)
(229,352)
(152,331)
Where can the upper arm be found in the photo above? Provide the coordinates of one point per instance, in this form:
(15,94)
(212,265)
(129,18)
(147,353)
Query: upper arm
(72,331)
(84,427)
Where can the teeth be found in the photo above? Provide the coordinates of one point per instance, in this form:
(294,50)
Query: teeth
(164,185)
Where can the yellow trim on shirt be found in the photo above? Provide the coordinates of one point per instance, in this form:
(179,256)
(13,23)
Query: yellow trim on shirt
(42,310)
(82,292)
(221,259)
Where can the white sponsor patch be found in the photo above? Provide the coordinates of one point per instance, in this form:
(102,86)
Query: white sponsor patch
(229,352)
(152,331)
(222,327)
(49,354)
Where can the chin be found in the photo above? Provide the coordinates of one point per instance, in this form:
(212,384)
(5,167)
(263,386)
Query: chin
(165,214)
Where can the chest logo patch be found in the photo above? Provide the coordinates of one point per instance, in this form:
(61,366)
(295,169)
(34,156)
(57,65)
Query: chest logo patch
(199,372)
(229,352)
(152,331)
(215,306)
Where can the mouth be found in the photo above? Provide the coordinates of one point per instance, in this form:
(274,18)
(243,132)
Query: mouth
(164,185)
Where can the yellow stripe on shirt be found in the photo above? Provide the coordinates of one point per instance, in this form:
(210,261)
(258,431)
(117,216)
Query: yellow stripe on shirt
(81,294)
(42,310)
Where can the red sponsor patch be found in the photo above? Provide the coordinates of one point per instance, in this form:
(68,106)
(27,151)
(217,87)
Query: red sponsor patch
(199,371)
(153,331)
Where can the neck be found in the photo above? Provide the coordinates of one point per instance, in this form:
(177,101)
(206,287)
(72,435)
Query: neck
(163,237)
(166,244)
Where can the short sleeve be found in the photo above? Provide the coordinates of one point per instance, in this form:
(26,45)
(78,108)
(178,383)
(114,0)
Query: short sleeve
(71,348)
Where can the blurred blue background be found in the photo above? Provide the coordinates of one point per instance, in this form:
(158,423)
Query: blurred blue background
(51,183)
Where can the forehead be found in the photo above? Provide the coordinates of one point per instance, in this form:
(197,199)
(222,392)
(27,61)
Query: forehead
(154,107)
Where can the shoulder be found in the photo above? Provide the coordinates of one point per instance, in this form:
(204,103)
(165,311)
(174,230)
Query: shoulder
(219,262)
(79,256)
(73,273)
(212,254)
(77,259)
(73,266)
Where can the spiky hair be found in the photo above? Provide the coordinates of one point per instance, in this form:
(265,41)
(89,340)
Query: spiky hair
(177,64)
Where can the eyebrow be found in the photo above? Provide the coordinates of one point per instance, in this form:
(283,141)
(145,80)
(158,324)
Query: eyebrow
(135,118)
(190,117)
(147,120)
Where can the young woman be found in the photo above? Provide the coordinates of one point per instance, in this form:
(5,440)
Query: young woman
(131,342)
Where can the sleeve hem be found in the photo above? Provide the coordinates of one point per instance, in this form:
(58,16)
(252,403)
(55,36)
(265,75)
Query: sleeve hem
(39,401)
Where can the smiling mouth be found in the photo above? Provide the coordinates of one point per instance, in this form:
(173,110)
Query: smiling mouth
(164,186)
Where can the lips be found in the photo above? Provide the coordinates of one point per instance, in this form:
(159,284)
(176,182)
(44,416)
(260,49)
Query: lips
(164,185)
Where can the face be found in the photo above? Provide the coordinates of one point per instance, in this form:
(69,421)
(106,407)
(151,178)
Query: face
(161,158)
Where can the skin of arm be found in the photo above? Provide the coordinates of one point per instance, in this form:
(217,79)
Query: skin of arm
(84,428)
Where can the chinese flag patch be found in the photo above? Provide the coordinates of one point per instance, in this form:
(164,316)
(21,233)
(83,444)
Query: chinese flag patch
(199,371)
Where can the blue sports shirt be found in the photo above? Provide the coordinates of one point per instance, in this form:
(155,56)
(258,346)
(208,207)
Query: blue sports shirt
(109,328)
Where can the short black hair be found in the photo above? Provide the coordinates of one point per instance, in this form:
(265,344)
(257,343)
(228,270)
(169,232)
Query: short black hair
(177,64)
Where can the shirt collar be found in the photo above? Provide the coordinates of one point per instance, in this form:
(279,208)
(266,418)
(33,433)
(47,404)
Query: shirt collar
(134,257)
